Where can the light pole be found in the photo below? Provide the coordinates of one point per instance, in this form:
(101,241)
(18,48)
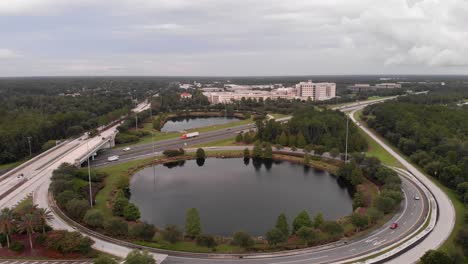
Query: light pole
(152,142)
(347,133)
(89,177)
(30,149)
(136,121)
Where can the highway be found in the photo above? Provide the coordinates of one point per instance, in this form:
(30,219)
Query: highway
(409,217)
(446,220)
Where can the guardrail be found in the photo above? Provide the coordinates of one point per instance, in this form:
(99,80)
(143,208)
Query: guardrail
(27,163)
(416,237)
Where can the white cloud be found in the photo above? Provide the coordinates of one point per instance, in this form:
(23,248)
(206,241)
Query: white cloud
(241,37)
(7,54)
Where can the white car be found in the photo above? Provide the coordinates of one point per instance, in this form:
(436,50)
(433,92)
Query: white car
(126,149)
(416,197)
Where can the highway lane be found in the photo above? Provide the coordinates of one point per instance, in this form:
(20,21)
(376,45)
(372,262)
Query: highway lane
(446,220)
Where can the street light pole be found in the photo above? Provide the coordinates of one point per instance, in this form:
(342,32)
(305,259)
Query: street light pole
(347,133)
(30,149)
(89,177)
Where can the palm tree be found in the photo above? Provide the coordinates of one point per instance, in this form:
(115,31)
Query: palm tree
(27,224)
(43,215)
(7,223)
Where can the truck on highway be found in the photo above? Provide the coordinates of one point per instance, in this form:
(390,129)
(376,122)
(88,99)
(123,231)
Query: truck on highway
(190,135)
(113,158)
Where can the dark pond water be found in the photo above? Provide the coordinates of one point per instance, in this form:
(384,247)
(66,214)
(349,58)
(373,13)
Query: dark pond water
(182,123)
(231,195)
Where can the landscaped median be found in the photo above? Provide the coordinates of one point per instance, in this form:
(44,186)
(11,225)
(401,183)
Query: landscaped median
(372,207)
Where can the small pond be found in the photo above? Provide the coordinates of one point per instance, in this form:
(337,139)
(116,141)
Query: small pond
(233,195)
(184,123)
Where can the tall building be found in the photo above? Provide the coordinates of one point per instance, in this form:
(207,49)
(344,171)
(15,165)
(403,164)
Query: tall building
(316,91)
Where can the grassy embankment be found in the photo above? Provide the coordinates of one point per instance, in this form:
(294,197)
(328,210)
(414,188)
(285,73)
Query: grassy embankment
(376,150)
(148,127)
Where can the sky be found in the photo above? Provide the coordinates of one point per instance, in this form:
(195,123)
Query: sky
(232,37)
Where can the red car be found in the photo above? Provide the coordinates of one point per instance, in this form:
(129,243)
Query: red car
(394,226)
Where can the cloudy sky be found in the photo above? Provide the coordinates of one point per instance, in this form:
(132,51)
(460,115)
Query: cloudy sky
(233,37)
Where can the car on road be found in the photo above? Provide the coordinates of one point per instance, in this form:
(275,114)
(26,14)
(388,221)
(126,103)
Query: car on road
(416,197)
(126,149)
(113,158)
(394,226)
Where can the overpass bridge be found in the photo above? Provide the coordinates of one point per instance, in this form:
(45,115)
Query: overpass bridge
(106,142)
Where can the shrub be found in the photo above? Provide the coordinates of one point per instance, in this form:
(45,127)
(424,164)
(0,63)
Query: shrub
(131,212)
(116,227)
(174,152)
(119,206)
(94,218)
(142,231)
(302,219)
(17,246)
(68,242)
(243,240)
(171,234)
(138,257)
(77,208)
(206,241)
(200,154)
(275,236)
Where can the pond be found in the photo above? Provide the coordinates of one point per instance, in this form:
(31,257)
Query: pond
(233,195)
(184,123)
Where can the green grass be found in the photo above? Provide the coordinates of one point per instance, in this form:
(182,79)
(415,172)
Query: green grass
(115,174)
(171,135)
(190,247)
(11,165)
(218,143)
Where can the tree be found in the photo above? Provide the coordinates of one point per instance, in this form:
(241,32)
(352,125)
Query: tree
(318,220)
(243,240)
(359,199)
(239,138)
(332,228)
(64,197)
(384,204)
(307,234)
(68,242)
(192,223)
(43,215)
(302,219)
(282,224)
(283,139)
(116,227)
(119,206)
(374,214)
(359,221)
(103,259)
(94,218)
(275,236)
(142,230)
(131,212)
(27,224)
(435,257)
(267,152)
(171,234)
(139,257)
(206,241)
(200,153)
(334,152)
(7,223)
(257,151)
(246,153)
(77,208)
(301,142)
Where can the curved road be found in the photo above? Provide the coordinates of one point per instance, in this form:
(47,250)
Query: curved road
(446,220)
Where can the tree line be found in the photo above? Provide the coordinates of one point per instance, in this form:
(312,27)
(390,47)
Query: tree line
(433,131)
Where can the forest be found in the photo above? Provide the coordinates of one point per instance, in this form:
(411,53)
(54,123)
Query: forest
(315,128)
(432,130)
(47,110)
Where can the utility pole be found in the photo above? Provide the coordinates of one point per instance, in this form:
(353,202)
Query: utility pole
(30,149)
(89,177)
(152,142)
(136,121)
(347,132)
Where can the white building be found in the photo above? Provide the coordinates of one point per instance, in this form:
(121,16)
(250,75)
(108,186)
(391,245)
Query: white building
(387,85)
(316,91)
